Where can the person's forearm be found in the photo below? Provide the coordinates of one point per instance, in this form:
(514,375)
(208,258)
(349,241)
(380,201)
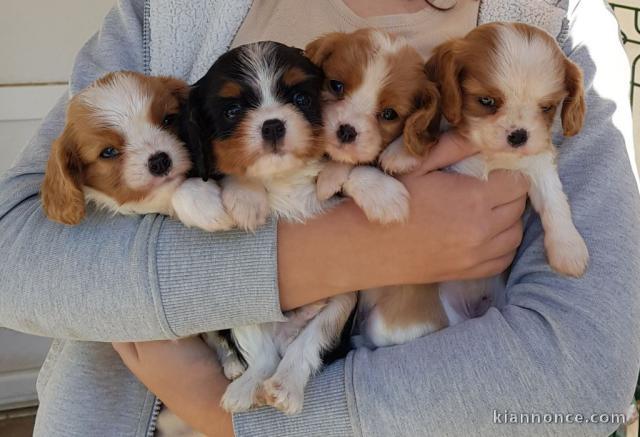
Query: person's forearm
(558,346)
(320,259)
(117,278)
(189,381)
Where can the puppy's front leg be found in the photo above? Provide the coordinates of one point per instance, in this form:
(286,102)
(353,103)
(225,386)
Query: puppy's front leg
(231,364)
(198,203)
(566,250)
(382,198)
(396,158)
(303,357)
(261,354)
(245,201)
(331,179)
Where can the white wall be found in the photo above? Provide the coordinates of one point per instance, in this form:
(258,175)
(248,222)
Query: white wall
(39,41)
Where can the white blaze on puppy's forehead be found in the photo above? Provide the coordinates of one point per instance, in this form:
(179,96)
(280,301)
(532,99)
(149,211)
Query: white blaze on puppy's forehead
(525,66)
(261,72)
(377,70)
(118,102)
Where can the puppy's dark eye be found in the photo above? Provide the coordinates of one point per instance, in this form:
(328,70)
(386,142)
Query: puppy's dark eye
(337,87)
(169,119)
(109,153)
(547,108)
(301,100)
(487,101)
(232,111)
(388,114)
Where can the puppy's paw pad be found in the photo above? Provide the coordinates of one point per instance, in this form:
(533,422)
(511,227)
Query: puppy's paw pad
(199,204)
(331,179)
(326,187)
(395,162)
(382,198)
(283,395)
(233,368)
(568,253)
(239,396)
(248,210)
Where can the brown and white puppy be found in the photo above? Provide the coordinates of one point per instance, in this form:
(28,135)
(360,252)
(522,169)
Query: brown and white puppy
(501,88)
(120,150)
(374,84)
(257,117)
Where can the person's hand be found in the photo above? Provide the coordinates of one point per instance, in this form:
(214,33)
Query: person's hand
(186,376)
(469,228)
(459,228)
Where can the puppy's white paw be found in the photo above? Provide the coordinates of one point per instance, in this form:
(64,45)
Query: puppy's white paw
(567,252)
(240,394)
(198,204)
(284,395)
(247,205)
(396,160)
(331,179)
(232,368)
(382,198)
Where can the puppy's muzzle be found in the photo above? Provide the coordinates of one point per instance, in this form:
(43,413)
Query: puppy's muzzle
(273,130)
(159,164)
(518,138)
(347,133)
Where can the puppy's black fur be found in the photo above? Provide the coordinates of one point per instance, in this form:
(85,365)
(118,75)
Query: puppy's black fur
(210,114)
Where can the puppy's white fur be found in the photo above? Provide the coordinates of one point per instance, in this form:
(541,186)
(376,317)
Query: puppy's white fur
(530,72)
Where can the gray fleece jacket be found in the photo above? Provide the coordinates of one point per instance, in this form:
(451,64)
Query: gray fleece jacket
(555,345)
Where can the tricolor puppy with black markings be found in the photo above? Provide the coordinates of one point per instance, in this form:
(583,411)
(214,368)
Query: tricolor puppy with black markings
(255,119)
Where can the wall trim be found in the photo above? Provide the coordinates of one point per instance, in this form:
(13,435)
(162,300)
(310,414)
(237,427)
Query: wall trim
(31,102)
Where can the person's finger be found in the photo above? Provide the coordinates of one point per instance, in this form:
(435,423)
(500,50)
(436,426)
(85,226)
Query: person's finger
(127,351)
(489,268)
(449,149)
(505,216)
(503,243)
(505,186)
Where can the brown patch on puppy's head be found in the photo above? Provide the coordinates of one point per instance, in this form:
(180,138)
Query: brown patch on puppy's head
(62,196)
(502,84)
(119,145)
(373,81)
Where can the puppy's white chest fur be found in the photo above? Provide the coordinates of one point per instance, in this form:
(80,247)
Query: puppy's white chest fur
(293,197)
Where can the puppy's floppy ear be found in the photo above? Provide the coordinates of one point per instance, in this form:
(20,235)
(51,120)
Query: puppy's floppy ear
(573,106)
(62,196)
(422,128)
(179,88)
(319,50)
(444,69)
(197,133)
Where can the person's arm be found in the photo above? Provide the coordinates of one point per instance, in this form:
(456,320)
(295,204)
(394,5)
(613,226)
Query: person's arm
(115,277)
(559,345)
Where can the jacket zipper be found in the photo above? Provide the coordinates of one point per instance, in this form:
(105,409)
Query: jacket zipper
(153,421)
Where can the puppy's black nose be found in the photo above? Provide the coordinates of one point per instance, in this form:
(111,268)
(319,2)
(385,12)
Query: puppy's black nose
(273,130)
(518,137)
(347,133)
(159,164)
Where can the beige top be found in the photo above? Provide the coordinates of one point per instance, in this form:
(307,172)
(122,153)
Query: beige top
(298,22)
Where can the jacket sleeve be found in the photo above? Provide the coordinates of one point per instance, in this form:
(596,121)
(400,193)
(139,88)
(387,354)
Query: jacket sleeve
(558,346)
(114,277)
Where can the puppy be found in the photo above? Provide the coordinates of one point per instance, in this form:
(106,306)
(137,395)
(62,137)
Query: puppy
(374,85)
(119,149)
(257,118)
(501,87)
